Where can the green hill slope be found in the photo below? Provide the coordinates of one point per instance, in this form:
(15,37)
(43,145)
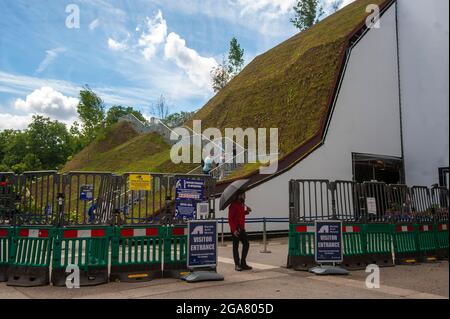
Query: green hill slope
(121,149)
(289,87)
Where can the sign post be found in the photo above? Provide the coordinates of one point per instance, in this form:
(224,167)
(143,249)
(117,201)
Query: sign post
(328,247)
(202,251)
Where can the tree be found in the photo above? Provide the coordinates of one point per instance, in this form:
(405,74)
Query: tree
(160,108)
(235,58)
(117,111)
(45,144)
(91,111)
(49,141)
(307,13)
(220,76)
(178,119)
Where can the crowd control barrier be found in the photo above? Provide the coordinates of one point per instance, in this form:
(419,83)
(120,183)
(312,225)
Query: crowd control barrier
(136,253)
(382,224)
(85,247)
(31,249)
(175,251)
(6,233)
(301,246)
(442,240)
(378,244)
(73,222)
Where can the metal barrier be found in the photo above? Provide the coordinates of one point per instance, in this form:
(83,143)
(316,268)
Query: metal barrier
(31,248)
(138,206)
(136,253)
(154,207)
(38,198)
(379,221)
(310,200)
(377,191)
(88,198)
(84,247)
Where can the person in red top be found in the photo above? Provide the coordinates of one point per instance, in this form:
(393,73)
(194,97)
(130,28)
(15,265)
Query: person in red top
(236,220)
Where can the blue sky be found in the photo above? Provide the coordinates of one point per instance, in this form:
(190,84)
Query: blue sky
(128,52)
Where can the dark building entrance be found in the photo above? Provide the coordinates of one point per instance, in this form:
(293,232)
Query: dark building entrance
(367,167)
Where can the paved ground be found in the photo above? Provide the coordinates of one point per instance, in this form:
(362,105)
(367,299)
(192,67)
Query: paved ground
(268,279)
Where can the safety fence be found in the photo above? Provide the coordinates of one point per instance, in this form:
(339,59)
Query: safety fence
(129,227)
(382,224)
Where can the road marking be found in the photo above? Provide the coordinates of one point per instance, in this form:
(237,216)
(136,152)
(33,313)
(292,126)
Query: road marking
(254,265)
(394,291)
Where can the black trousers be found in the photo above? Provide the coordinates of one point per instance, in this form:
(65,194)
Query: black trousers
(245,246)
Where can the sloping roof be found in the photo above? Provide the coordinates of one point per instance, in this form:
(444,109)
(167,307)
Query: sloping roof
(292,87)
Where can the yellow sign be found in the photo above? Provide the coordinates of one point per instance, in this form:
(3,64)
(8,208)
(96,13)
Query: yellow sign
(140,182)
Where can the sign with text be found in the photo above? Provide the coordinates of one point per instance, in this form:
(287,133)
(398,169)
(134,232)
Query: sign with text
(202,244)
(328,248)
(140,182)
(188,192)
(371,206)
(86,192)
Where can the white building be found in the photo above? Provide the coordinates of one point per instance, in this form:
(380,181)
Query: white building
(390,117)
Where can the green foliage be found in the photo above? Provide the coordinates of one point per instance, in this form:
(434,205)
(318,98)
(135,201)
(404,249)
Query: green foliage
(91,111)
(220,75)
(45,144)
(49,141)
(225,71)
(289,86)
(178,119)
(117,111)
(235,57)
(307,13)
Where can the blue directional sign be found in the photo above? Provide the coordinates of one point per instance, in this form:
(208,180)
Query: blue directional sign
(328,246)
(188,192)
(202,243)
(86,192)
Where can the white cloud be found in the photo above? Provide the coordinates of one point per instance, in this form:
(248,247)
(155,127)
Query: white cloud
(269,8)
(154,34)
(154,82)
(197,68)
(49,58)
(94,24)
(14,122)
(47,101)
(116,46)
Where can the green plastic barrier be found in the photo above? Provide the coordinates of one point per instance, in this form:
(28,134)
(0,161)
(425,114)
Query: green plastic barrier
(405,243)
(6,233)
(354,246)
(31,249)
(441,232)
(301,246)
(136,253)
(175,251)
(426,241)
(86,247)
(379,244)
